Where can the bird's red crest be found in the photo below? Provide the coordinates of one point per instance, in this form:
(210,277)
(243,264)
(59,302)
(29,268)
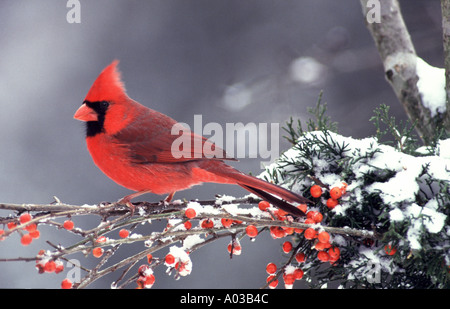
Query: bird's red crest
(108,86)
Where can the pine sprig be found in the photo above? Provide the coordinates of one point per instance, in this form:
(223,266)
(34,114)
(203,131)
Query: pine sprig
(396,189)
(401,136)
(319,121)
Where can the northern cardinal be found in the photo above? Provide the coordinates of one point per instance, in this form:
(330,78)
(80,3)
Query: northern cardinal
(132,144)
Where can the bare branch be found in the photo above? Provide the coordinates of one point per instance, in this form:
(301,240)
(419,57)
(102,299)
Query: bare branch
(399,58)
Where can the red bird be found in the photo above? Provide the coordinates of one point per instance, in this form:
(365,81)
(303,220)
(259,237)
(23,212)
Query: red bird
(132,144)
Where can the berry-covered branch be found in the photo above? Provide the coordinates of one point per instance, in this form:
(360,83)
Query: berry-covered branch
(216,219)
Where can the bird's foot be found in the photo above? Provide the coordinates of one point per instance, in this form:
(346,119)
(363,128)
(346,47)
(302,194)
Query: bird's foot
(127,202)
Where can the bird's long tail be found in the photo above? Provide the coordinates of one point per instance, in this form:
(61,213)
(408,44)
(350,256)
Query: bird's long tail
(272,193)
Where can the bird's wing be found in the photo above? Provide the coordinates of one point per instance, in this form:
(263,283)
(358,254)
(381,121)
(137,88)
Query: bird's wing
(156,138)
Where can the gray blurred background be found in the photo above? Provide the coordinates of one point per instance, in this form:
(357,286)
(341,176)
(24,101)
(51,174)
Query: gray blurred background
(233,61)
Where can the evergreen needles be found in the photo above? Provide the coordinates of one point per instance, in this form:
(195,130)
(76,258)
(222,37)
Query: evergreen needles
(395,188)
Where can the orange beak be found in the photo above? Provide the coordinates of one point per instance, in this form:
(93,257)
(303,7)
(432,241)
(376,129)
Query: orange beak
(85,113)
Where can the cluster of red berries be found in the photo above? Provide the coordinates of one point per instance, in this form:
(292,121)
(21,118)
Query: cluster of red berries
(47,264)
(66,284)
(326,252)
(146,277)
(98,251)
(278,214)
(190,213)
(234,247)
(180,262)
(31,231)
(290,275)
(335,194)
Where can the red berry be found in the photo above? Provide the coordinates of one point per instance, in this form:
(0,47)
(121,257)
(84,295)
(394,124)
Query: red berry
(263,205)
(303,207)
(390,250)
(289,279)
(331,203)
(316,191)
(288,230)
(50,266)
(35,234)
(273,284)
(149,280)
(66,284)
(323,256)
(229,247)
(59,267)
(68,225)
(323,237)
(271,268)
(237,249)
(142,269)
(24,218)
(281,213)
(333,261)
(97,252)
(31,227)
(310,214)
(277,232)
(319,246)
(11,225)
(334,253)
(251,231)
(300,257)
(315,216)
(226,222)
(124,233)
(335,193)
(309,221)
(190,213)
(310,233)
(169,259)
(298,274)
(207,224)
(298,230)
(26,239)
(188,225)
(287,246)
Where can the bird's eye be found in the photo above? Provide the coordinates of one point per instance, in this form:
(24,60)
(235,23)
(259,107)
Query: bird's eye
(104,105)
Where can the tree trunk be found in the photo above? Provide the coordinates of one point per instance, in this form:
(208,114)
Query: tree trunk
(399,58)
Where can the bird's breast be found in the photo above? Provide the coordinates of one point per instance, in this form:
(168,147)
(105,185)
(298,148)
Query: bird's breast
(118,164)
(110,157)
